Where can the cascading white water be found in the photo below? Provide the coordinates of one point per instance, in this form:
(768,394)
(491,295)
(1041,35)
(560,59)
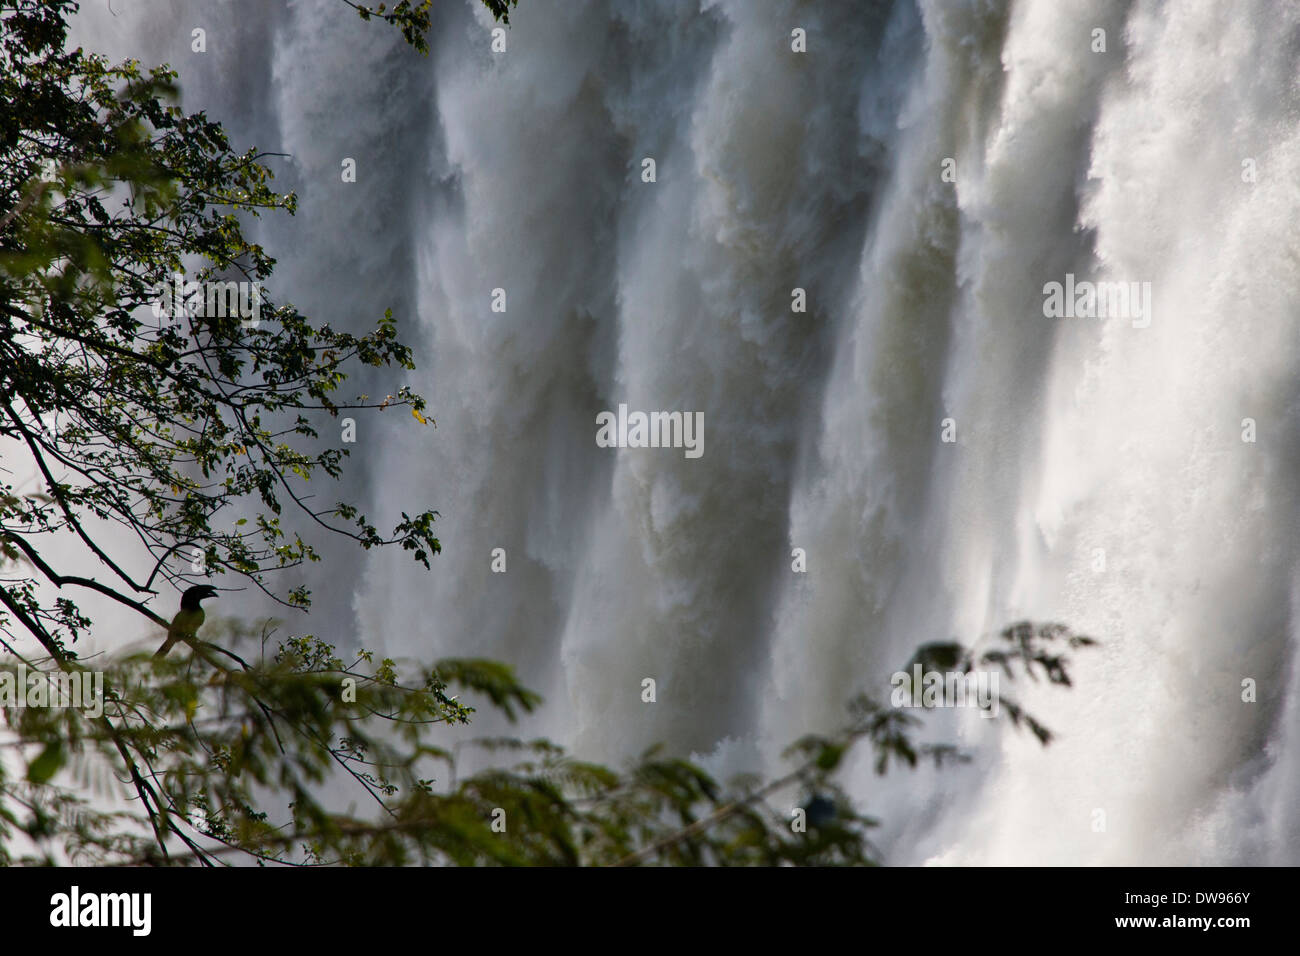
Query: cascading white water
(822,171)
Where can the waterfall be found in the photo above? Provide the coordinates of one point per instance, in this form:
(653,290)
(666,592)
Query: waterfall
(922,172)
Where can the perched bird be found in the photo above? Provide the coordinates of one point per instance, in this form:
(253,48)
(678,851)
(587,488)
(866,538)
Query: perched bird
(189,618)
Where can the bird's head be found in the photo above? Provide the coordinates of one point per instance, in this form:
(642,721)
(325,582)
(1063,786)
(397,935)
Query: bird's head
(192,596)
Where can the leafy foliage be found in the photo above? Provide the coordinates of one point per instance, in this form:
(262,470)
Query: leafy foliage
(1036,646)
(413,18)
(220,744)
(172,426)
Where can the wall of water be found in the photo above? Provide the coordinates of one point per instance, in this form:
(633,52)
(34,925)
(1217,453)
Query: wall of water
(822,170)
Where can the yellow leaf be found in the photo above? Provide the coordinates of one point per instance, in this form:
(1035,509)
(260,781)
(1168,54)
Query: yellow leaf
(418,417)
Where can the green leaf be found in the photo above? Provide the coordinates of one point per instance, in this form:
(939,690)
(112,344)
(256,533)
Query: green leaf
(47,764)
